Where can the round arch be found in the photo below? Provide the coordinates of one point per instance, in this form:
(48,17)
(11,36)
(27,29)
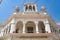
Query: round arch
(41,27)
(30,27)
(33,7)
(19,27)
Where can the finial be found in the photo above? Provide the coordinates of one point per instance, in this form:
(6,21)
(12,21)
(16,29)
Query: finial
(43,9)
(16,9)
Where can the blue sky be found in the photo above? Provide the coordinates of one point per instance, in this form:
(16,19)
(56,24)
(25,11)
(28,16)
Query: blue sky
(52,8)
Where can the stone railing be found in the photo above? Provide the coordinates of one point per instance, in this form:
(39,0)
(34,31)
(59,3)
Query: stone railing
(4,31)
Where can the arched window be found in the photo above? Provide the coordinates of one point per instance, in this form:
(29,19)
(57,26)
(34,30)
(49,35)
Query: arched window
(30,27)
(55,31)
(41,27)
(34,8)
(26,7)
(17,30)
(19,27)
(30,7)
(59,30)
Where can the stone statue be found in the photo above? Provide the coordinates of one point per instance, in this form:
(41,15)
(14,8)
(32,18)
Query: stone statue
(17,9)
(43,9)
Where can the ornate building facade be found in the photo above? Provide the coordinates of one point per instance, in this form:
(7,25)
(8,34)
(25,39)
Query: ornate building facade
(30,25)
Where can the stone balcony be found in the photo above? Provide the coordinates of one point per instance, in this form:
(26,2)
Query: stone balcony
(31,35)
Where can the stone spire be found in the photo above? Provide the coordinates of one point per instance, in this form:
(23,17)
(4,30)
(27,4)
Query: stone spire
(43,10)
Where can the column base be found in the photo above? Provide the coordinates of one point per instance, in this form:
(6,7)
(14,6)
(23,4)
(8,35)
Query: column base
(37,32)
(23,32)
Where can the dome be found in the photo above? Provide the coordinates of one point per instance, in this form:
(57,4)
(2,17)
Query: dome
(29,3)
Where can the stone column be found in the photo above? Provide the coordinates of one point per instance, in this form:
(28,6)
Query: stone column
(8,30)
(24,8)
(47,26)
(13,25)
(32,7)
(24,27)
(5,31)
(13,28)
(36,23)
(2,33)
(35,8)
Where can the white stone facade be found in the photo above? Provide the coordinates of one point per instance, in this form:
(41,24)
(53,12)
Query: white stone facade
(25,25)
(12,25)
